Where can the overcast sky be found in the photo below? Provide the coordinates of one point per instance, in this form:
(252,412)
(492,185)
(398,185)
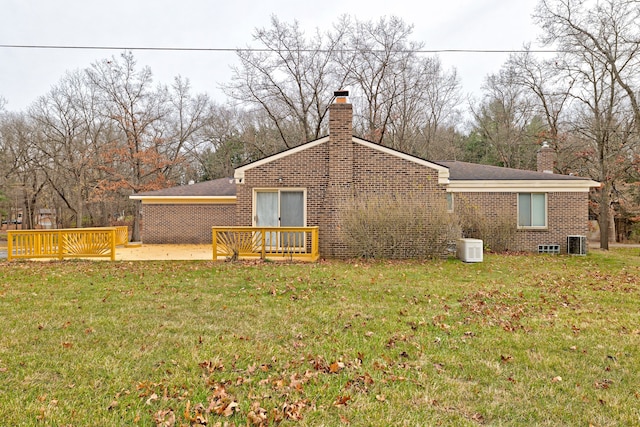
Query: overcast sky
(27,73)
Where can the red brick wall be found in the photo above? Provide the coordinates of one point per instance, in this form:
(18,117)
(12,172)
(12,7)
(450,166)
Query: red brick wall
(306,169)
(567,214)
(373,173)
(184,223)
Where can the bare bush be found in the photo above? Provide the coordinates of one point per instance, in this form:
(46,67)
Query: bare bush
(496,232)
(397,227)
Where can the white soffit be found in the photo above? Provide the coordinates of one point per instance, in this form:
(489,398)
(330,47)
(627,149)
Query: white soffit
(528,186)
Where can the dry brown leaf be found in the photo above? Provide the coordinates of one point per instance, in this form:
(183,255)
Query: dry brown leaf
(342,400)
(230,409)
(151,399)
(257,416)
(165,418)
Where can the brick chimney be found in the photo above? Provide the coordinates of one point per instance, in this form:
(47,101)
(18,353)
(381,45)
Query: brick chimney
(546,158)
(340,142)
(340,185)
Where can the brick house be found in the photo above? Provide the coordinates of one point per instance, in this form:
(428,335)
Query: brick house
(309,184)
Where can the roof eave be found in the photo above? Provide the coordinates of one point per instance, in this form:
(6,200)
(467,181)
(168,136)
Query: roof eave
(544,186)
(192,200)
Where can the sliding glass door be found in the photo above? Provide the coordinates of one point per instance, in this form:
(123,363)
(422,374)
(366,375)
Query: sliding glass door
(281,208)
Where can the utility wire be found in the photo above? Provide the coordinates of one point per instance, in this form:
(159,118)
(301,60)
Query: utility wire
(248,49)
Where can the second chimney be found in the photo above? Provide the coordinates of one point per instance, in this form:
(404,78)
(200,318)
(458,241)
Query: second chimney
(546,158)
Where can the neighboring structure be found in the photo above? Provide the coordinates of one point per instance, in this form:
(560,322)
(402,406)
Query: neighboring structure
(309,184)
(45,218)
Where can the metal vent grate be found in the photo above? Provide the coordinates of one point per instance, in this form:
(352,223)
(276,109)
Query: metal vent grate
(577,245)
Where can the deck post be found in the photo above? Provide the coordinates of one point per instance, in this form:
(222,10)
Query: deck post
(9,245)
(112,233)
(214,238)
(61,245)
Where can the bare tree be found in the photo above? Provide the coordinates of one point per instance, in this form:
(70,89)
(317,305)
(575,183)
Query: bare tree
(137,160)
(608,30)
(21,175)
(378,57)
(604,125)
(551,89)
(400,99)
(223,148)
(601,50)
(71,136)
(187,116)
(291,80)
(505,121)
(424,119)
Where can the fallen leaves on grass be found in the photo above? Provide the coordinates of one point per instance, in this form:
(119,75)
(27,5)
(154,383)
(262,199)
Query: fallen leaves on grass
(199,418)
(221,402)
(257,416)
(165,418)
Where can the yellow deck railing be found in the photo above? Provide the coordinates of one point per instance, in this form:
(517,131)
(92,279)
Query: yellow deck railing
(122,235)
(66,243)
(266,242)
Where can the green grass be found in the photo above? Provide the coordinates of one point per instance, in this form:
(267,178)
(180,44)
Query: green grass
(515,340)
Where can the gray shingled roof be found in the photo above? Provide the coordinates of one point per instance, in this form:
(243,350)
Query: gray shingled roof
(458,171)
(217,187)
(463,171)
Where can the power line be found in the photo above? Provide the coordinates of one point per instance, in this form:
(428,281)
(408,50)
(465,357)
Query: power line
(249,49)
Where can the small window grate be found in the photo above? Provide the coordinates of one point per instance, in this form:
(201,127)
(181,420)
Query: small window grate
(548,249)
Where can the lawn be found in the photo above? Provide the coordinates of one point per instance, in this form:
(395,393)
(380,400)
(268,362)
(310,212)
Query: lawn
(515,340)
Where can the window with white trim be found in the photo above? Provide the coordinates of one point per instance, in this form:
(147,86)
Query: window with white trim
(532,210)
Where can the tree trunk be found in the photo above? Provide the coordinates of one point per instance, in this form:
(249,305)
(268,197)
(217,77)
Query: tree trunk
(135,228)
(79,214)
(603,218)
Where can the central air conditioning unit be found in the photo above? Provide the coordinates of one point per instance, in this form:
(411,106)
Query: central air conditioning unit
(577,245)
(469,250)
